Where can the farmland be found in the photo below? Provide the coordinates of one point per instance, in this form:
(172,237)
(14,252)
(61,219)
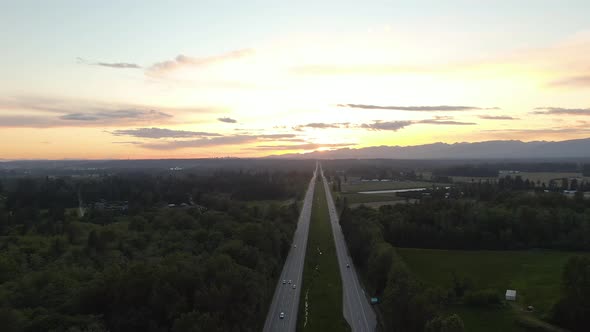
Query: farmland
(535,274)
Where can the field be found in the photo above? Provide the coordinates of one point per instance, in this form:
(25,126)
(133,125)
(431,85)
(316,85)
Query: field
(541,177)
(354,198)
(322,285)
(355,186)
(536,276)
(547,176)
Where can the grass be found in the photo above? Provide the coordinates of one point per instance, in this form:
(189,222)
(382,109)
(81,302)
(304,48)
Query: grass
(322,285)
(369,186)
(535,274)
(354,198)
(486,320)
(531,176)
(547,176)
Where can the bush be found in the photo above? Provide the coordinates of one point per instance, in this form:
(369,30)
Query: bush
(482,298)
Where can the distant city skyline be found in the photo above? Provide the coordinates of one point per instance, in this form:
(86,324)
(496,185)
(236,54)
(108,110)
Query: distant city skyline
(184,79)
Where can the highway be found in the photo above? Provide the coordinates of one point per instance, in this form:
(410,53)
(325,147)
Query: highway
(286,298)
(356,307)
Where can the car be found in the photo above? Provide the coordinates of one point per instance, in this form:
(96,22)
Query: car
(289,281)
(282,315)
(284,282)
(295,246)
(294,286)
(347,265)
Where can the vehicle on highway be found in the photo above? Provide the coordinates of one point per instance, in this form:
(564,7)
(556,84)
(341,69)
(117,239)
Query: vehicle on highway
(289,282)
(347,265)
(282,315)
(284,282)
(295,246)
(294,286)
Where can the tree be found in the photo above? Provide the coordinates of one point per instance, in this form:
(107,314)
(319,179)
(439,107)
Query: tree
(452,323)
(573,310)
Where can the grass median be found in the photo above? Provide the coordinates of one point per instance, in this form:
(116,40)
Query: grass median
(320,307)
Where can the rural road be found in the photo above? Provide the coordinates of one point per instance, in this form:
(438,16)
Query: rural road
(356,308)
(286,299)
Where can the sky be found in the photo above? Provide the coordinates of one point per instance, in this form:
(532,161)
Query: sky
(195,79)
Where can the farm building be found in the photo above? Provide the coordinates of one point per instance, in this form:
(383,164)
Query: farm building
(510,295)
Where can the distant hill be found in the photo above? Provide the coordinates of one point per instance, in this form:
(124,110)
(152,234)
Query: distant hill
(579,148)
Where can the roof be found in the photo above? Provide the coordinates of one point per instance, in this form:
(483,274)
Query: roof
(510,292)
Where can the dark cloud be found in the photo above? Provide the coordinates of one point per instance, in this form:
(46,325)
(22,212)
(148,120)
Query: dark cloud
(392,125)
(497,117)
(574,81)
(116,65)
(562,111)
(227,120)
(158,133)
(418,108)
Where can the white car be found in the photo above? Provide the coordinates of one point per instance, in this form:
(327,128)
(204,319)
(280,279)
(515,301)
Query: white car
(289,281)
(295,246)
(347,265)
(284,282)
(294,286)
(282,315)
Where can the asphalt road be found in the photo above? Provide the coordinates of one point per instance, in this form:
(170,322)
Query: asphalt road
(356,307)
(286,299)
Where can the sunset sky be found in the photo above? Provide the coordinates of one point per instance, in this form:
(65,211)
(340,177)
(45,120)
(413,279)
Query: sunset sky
(187,79)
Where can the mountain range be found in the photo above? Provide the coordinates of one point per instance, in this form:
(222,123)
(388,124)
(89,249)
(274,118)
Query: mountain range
(499,149)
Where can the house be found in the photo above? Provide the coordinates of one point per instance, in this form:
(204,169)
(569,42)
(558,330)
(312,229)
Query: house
(510,295)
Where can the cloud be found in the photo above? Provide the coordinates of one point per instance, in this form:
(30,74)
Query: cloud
(158,133)
(418,108)
(561,111)
(397,125)
(445,122)
(128,142)
(572,81)
(182,61)
(201,142)
(217,141)
(40,112)
(497,117)
(321,125)
(306,146)
(392,125)
(116,65)
(116,114)
(227,120)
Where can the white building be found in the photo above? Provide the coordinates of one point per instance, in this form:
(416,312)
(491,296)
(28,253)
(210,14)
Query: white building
(510,295)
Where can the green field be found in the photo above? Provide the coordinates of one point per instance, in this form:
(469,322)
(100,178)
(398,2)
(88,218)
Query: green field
(354,198)
(547,176)
(475,179)
(322,285)
(536,276)
(354,186)
(541,177)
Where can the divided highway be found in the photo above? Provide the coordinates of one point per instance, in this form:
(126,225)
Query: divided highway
(282,314)
(356,308)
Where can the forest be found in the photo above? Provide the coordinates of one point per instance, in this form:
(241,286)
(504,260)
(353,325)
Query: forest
(152,251)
